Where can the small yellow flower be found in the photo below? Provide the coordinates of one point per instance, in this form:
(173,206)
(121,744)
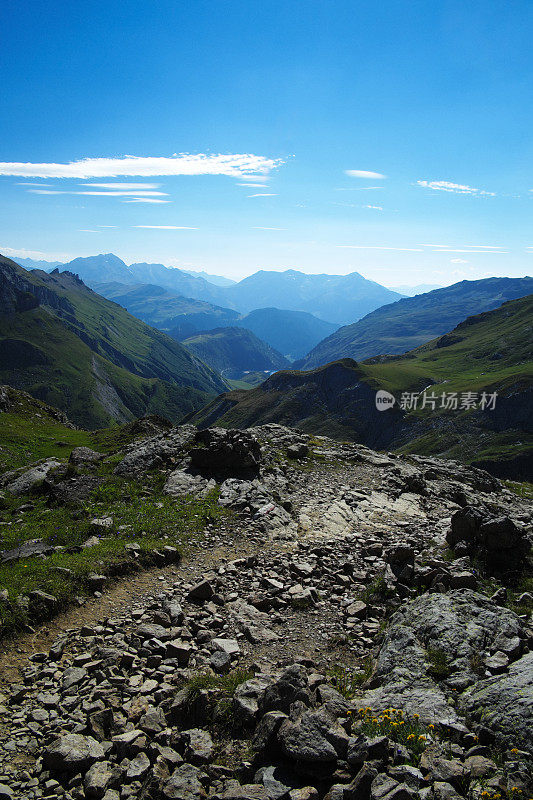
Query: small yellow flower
(421,738)
(432,727)
(401,722)
(395,724)
(416,716)
(374,719)
(514,750)
(411,736)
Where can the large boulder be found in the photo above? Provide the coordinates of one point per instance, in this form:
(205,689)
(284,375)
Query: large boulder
(315,736)
(32,480)
(220,452)
(435,645)
(181,482)
(504,703)
(497,540)
(157,451)
(72,753)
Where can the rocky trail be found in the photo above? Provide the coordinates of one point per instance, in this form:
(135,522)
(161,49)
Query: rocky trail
(345,633)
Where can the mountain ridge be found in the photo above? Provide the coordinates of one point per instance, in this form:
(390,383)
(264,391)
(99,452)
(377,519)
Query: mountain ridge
(75,350)
(489,352)
(335,298)
(412,321)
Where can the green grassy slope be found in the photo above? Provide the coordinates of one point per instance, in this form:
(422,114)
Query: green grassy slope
(68,346)
(177,315)
(408,323)
(489,352)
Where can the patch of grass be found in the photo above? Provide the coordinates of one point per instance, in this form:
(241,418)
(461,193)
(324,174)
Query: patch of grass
(439,667)
(348,681)
(525,584)
(377,591)
(476,664)
(223,685)
(140,513)
(522,489)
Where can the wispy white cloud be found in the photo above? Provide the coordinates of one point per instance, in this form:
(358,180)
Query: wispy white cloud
(262,194)
(476,246)
(26,183)
(146,200)
(264,228)
(455,188)
(254,185)
(363,173)
(118,186)
(379,247)
(87,230)
(462,250)
(237,165)
(375,208)
(107,226)
(140,193)
(264,178)
(167,227)
(458,261)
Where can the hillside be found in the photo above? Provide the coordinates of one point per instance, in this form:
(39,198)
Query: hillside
(69,347)
(234,351)
(490,352)
(408,323)
(159,307)
(290,332)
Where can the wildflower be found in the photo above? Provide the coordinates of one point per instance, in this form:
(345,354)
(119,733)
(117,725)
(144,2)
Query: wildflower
(432,727)
(374,719)
(416,716)
(395,724)
(410,736)
(514,750)
(421,738)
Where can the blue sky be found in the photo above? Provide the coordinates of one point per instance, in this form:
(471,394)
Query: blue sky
(252,125)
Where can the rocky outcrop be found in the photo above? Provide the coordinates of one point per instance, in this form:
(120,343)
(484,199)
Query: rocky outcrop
(504,704)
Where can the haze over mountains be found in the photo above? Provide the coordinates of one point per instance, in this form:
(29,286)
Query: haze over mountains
(338,299)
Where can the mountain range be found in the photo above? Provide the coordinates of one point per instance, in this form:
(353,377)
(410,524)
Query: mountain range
(339,299)
(73,349)
(490,352)
(411,321)
(292,333)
